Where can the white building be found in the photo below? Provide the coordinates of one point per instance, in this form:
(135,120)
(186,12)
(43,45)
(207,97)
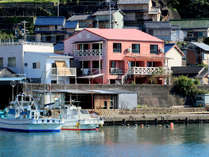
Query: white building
(174,56)
(37,61)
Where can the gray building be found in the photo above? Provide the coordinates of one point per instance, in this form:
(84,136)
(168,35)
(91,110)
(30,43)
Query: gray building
(164,30)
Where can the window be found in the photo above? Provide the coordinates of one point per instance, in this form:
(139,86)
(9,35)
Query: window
(11,61)
(154,49)
(53,65)
(83,46)
(95,46)
(1,62)
(36,65)
(113,64)
(116,47)
(53,82)
(95,64)
(105,104)
(136,48)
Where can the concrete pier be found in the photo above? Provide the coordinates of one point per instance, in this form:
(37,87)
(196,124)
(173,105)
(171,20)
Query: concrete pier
(156,116)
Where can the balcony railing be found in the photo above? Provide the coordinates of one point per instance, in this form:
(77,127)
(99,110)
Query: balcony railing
(63,71)
(116,71)
(149,71)
(93,52)
(89,71)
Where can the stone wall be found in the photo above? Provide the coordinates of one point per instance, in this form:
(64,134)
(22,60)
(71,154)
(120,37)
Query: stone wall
(148,95)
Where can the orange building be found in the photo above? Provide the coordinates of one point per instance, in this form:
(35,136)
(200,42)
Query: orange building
(117,56)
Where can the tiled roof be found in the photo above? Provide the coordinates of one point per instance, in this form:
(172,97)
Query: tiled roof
(191,23)
(49,21)
(133,1)
(123,34)
(167,47)
(71,24)
(202,46)
(79,17)
(157,25)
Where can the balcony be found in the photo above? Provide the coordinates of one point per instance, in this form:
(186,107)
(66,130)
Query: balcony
(149,71)
(63,72)
(83,53)
(116,71)
(89,71)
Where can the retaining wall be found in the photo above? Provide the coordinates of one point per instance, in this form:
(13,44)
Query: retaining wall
(148,95)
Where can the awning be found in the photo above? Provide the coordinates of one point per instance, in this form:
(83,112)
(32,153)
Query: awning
(62,69)
(91,76)
(142,58)
(92,41)
(12,78)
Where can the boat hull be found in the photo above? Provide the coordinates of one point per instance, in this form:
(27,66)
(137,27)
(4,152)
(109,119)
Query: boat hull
(79,126)
(18,125)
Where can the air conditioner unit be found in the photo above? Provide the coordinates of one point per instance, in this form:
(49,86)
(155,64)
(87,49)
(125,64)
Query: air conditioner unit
(161,50)
(129,49)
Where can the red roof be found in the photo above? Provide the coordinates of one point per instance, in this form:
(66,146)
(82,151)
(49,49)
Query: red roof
(123,34)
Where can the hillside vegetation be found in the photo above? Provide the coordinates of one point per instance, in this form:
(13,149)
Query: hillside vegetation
(190,8)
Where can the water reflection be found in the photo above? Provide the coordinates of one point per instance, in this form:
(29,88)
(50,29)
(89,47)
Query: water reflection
(183,141)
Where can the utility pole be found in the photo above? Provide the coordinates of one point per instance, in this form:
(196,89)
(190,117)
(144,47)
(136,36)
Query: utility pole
(24,25)
(58,9)
(110,13)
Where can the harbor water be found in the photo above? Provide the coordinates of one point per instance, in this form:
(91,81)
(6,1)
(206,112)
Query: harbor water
(111,141)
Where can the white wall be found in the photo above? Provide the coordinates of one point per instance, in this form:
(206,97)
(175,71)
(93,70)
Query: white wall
(49,78)
(174,58)
(31,58)
(127,101)
(38,47)
(118,18)
(45,67)
(12,51)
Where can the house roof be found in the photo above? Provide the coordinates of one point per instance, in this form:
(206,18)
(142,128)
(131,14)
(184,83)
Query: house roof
(167,47)
(191,23)
(187,70)
(157,25)
(8,75)
(49,20)
(59,47)
(71,24)
(133,1)
(79,17)
(50,55)
(123,34)
(203,46)
(104,12)
(5,72)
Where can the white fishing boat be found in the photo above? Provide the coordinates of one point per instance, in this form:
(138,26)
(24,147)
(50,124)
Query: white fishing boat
(76,118)
(23,115)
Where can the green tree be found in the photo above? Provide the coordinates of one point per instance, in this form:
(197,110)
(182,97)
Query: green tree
(187,88)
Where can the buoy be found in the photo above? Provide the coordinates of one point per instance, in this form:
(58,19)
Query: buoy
(172,125)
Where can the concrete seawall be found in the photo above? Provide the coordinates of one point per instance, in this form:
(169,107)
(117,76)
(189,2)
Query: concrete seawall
(155,116)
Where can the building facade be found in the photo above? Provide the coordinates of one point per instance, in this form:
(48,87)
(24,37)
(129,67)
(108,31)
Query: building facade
(109,56)
(138,11)
(174,55)
(50,29)
(36,61)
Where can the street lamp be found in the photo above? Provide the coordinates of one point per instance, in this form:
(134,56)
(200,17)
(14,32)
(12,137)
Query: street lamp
(13,84)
